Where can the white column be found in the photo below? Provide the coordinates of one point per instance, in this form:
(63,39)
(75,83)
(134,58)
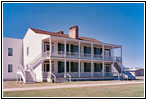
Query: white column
(50,46)
(121,59)
(112,67)
(42,46)
(79,49)
(103,65)
(64,47)
(91,50)
(64,68)
(50,66)
(79,68)
(91,68)
(69,50)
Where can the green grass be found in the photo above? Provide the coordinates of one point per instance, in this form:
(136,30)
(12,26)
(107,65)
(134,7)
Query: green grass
(131,90)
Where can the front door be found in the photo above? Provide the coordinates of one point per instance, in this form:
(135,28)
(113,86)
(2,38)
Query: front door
(46,47)
(108,70)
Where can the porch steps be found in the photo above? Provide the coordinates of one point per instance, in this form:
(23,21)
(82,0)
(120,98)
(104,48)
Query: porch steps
(29,78)
(61,80)
(129,74)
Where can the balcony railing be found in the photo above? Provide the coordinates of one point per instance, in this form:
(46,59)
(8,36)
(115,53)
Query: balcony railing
(76,55)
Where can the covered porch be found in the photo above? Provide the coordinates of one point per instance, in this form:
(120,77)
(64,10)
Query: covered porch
(77,68)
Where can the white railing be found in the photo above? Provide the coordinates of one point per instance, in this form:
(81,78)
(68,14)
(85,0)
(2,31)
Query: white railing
(33,74)
(54,76)
(42,55)
(21,71)
(69,76)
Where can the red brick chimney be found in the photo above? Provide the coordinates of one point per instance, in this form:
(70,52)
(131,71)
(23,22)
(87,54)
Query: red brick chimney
(73,32)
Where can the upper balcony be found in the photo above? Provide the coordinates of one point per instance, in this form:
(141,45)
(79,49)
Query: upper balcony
(76,49)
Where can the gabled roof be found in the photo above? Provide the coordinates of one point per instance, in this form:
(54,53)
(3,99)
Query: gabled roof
(62,35)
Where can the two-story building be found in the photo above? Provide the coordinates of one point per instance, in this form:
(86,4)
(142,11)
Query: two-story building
(51,56)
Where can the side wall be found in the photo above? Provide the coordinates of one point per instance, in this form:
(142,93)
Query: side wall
(34,42)
(15,60)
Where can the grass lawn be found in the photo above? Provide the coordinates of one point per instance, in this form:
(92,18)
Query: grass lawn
(13,84)
(131,90)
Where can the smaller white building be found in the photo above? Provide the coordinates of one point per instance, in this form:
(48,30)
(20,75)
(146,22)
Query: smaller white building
(12,57)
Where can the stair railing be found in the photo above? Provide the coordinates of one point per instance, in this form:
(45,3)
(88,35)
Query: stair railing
(22,72)
(69,76)
(42,55)
(53,76)
(32,73)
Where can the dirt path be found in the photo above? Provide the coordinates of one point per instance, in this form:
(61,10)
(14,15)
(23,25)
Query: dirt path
(69,86)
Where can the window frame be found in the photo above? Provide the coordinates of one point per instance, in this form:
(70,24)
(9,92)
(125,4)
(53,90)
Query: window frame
(10,68)
(10,51)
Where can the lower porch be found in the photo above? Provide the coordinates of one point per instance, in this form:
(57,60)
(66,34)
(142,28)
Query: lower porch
(77,69)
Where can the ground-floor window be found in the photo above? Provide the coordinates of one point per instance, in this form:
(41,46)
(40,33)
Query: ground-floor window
(10,68)
(97,67)
(60,67)
(67,66)
(74,67)
(87,67)
(46,67)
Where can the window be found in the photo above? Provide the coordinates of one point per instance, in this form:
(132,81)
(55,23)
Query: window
(10,68)
(60,47)
(97,67)
(98,51)
(27,51)
(87,67)
(74,67)
(10,51)
(87,50)
(60,67)
(67,66)
(74,48)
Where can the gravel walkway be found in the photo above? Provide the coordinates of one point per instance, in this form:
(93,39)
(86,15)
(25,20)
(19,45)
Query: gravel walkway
(69,86)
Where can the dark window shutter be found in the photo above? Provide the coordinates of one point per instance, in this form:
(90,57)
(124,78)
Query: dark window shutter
(59,46)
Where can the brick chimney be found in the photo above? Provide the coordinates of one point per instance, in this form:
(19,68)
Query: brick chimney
(73,31)
(60,32)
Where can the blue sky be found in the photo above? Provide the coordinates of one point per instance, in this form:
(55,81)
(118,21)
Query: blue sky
(118,23)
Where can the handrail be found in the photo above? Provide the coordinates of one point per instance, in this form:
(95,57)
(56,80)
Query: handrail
(22,71)
(69,76)
(33,74)
(44,54)
(53,76)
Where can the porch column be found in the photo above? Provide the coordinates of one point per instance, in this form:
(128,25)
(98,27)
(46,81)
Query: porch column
(69,50)
(50,39)
(64,47)
(91,68)
(103,65)
(79,49)
(79,68)
(91,50)
(50,66)
(42,46)
(112,67)
(121,60)
(64,68)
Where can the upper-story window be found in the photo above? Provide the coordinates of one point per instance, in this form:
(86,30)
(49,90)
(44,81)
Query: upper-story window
(107,52)
(10,68)
(98,51)
(27,51)
(74,48)
(60,47)
(10,51)
(87,49)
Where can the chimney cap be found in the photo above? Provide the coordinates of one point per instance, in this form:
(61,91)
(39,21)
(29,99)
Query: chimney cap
(75,26)
(60,32)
